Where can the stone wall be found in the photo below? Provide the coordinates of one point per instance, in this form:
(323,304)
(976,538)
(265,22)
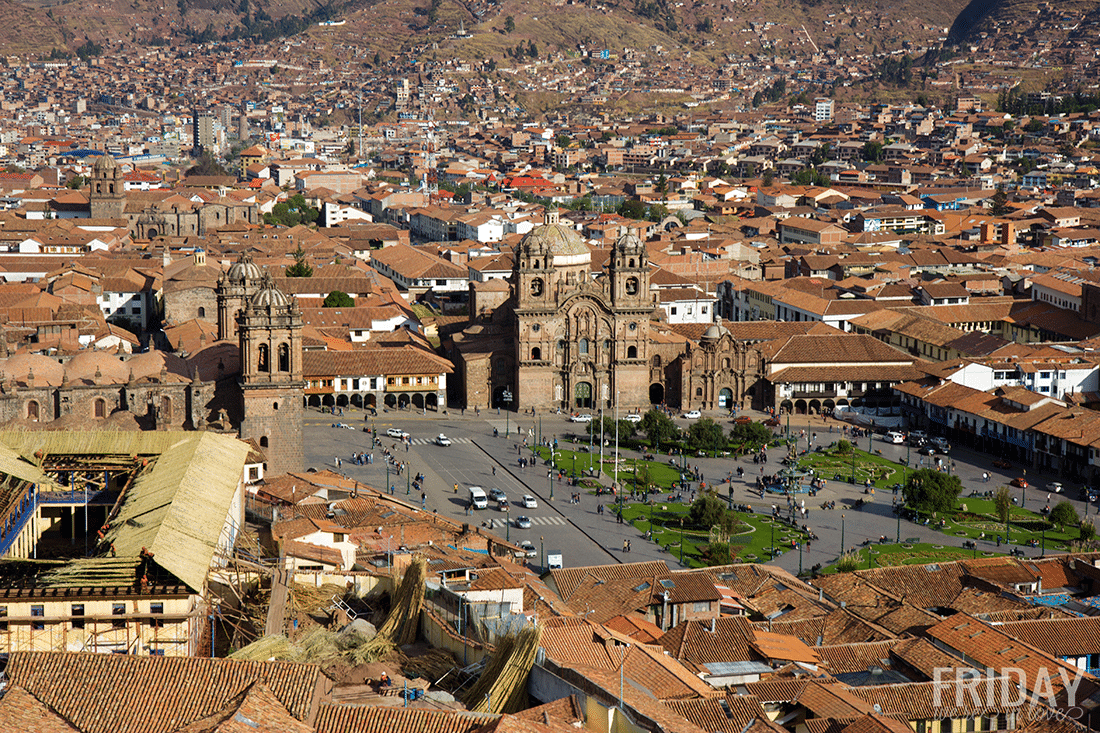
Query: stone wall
(273,418)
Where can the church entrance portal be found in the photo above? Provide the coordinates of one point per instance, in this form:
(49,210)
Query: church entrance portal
(583,394)
(656,394)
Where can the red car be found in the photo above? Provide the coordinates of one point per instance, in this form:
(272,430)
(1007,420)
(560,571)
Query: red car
(1022,483)
(772,422)
(742,420)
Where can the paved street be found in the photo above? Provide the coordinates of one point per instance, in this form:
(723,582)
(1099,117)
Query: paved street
(588,538)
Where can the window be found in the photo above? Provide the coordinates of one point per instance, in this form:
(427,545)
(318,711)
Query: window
(263,363)
(100,408)
(701,606)
(631,352)
(156,609)
(274,405)
(536,354)
(118,609)
(337,537)
(672,310)
(202,312)
(77,612)
(284,358)
(3,618)
(32,410)
(582,347)
(945,725)
(698,391)
(38,612)
(374,382)
(391,381)
(263,441)
(404,380)
(1044,375)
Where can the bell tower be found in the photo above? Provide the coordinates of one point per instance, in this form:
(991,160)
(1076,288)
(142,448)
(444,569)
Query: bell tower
(107,198)
(270,335)
(235,288)
(629,270)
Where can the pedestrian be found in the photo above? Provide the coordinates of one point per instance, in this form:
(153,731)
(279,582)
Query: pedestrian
(626,545)
(494,470)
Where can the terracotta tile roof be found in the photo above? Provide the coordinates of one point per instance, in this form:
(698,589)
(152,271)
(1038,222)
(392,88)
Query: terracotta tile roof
(918,700)
(636,628)
(371,719)
(1065,637)
(22,711)
(832,701)
(132,694)
(729,714)
(843,658)
(776,690)
(566,710)
(783,647)
(874,723)
(566,580)
(692,642)
(921,656)
(256,709)
(385,362)
(835,627)
(841,348)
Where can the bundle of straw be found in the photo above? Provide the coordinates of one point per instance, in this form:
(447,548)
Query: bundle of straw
(502,686)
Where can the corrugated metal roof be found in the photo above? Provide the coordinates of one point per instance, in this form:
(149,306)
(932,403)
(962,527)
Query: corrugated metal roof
(177,509)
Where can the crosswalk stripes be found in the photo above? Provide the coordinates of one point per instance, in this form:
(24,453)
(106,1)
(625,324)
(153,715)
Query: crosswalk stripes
(535,521)
(431,441)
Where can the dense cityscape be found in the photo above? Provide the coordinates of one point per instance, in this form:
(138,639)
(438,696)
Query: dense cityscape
(477,367)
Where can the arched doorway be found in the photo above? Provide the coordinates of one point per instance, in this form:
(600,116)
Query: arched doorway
(432,400)
(328,400)
(314,400)
(800,407)
(656,393)
(341,400)
(582,394)
(815,407)
(418,401)
(786,406)
(725,398)
(357,400)
(403,401)
(498,398)
(370,401)
(389,400)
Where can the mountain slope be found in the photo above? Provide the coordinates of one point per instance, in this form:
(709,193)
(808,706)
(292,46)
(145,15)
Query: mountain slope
(1006,19)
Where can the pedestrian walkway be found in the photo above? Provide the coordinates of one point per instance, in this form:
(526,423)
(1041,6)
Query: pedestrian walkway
(535,521)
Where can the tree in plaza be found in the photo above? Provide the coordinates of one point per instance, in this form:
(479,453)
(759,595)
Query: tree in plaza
(338,299)
(1002,502)
(1063,513)
(932,491)
(843,447)
(706,435)
(626,428)
(717,553)
(750,433)
(709,511)
(658,428)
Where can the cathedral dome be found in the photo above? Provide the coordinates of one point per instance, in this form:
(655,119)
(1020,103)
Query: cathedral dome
(715,332)
(270,296)
(244,269)
(629,241)
(564,243)
(105,162)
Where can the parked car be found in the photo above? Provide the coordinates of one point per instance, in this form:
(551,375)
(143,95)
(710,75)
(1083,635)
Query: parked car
(894,436)
(528,548)
(692,415)
(497,495)
(1054,487)
(771,422)
(397,433)
(742,420)
(1020,482)
(633,418)
(1002,463)
(941,445)
(529,502)
(927,450)
(580,418)
(442,439)
(523,522)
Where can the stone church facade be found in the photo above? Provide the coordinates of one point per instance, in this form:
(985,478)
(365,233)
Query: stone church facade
(555,338)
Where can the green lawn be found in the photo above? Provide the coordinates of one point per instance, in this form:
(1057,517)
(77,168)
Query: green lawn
(1025,525)
(907,554)
(828,464)
(752,542)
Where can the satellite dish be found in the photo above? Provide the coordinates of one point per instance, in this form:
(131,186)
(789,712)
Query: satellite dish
(878,708)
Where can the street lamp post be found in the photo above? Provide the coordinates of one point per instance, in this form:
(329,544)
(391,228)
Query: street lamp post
(771,552)
(542,552)
(681,541)
(899,524)
(506,398)
(388,477)
(408,481)
(800,556)
(841,534)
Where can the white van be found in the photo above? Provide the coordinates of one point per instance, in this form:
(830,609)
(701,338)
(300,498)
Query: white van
(478,500)
(895,437)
